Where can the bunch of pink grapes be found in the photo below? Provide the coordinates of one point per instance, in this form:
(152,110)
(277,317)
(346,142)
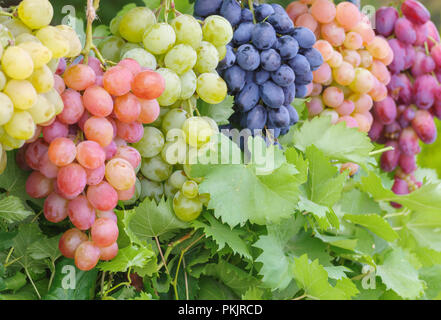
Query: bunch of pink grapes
(82,163)
(414,93)
(354,74)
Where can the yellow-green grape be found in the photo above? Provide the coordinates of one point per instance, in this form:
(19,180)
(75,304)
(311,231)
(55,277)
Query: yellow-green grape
(40,54)
(73,39)
(17,63)
(177,179)
(174,152)
(187,30)
(208,58)
(55,99)
(211,88)
(213,124)
(129,46)
(26,37)
(190,189)
(186,209)
(151,190)
(35,14)
(144,58)
(156,169)
(42,79)
(188,85)
(53,38)
(114,25)
(151,143)
(21,126)
(363,82)
(204,198)
(9,143)
(3,159)
(3,80)
(42,111)
(16,27)
(222,50)
(6,109)
(217,30)
(181,58)
(197,131)
(22,93)
(110,48)
(159,38)
(174,119)
(172,90)
(53,64)
(6,37)
(135,22)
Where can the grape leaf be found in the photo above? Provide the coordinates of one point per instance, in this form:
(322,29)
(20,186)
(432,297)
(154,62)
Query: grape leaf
(313,279)
(357,202)
(398,274)
(132,256)
(374,223)
(224,235)
(12,209)
(253,293)
(424,199)
(426,229)
(335,141)
(27,235)
(45,248)
(432,277)
(274,257)
(236,279)
(210,289)
(151,220)
(218,112)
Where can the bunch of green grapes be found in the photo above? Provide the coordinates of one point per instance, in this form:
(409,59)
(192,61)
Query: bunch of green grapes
(30,50)
(168,148)
(185,51)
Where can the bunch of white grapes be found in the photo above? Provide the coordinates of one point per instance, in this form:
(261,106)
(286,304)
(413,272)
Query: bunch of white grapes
(186,52)
(30,51)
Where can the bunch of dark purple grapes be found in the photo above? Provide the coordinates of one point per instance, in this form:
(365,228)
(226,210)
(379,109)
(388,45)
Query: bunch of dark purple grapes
(406,115)
(268,63)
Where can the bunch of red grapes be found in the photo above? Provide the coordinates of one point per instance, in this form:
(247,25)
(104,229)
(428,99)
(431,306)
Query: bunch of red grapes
(82,163)
(414,92)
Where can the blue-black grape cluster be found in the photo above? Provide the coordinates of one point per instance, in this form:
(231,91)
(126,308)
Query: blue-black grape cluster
(268,63)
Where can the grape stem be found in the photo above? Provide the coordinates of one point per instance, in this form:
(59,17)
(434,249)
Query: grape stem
(172,245)
(100,57)
(92,8)
(4,13)
(373,153)
(162,255)
(250,4)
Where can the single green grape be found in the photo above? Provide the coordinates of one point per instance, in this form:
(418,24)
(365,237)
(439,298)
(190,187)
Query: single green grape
(172,90)
(197,131)
(129,46)
(151,143)
(174,152)
(186,209)
(151,190)
(111,47)
(156,169)
(144,58)
(190,189)
(188,30)
(16,27)
(188,85)
(208,57)
(174,119)
(54,39)
(114,25)
(17,63)
(177,179)
(22,93)
(159,38)
(9,143)
(40,54)
(42,79)
(35,13)
(217,30)
(211,88)
(135,22)
(181,58)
